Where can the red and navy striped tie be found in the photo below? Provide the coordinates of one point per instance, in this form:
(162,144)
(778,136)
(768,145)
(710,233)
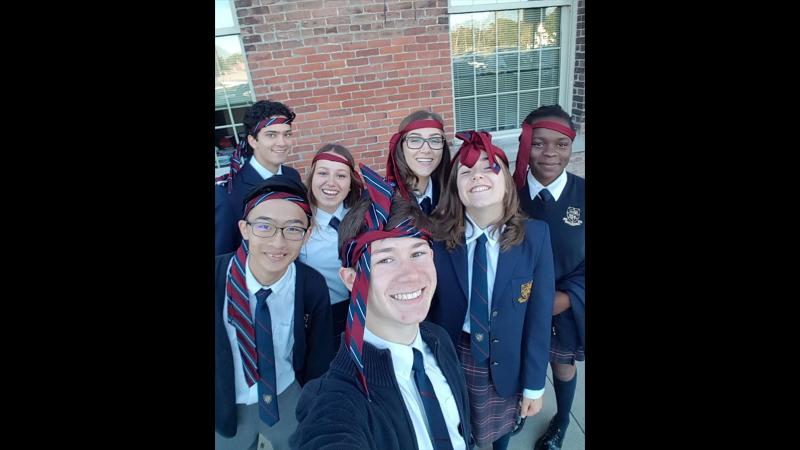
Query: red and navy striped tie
(267,386)
(479,303)
(436,424)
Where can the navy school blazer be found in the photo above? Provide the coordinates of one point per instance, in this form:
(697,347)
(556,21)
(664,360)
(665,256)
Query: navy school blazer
(313,346)
(228,208)
(522,307)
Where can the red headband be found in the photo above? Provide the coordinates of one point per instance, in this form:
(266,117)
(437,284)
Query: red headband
(524,152)
(336,158)
(392,172)
(474,143)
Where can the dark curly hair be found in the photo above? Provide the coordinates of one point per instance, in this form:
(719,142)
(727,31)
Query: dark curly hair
(260,111)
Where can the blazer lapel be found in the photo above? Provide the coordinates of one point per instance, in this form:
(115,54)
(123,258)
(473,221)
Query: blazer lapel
(458,257)
(506,263)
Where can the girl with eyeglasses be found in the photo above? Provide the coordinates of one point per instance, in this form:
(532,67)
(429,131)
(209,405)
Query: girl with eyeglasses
(334,187)
(415,158)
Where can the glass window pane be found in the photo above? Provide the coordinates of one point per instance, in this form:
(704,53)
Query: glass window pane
(222,117)
(223,16)
(530,22)
(230,78)
(224,146)
(465,114)
(507,29)
(485,32)
(461,38)
(549,31)
(463,76)
(550,68)
(238,114)
(507,110)
(485,74)
(528,101)
(549,97)
(487,113)
(529,70)
(507,71)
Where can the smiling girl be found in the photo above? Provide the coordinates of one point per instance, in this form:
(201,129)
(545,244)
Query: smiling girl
(334,187)
(503,263)
(415,158)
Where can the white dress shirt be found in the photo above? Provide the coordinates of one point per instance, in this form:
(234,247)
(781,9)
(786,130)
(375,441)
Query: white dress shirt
(263,171)
(428,193)
(281,310)
(321,251)
(403,363)
(555,188)
(472,233)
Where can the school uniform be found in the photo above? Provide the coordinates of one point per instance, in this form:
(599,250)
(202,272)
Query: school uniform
(321,251)
(564,213)
(228,207)
(301,330)
(521,290)
(334,412)
(428,200)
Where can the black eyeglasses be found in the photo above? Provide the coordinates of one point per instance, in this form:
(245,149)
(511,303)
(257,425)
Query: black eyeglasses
(416,142)
(267,230)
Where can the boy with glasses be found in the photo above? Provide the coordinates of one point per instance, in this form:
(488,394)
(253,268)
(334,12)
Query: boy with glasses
(273,320)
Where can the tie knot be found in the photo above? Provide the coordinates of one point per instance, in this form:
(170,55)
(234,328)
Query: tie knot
(482,239)
(334,223)
(426,205)
(419,366)
(262,295)
(545,195)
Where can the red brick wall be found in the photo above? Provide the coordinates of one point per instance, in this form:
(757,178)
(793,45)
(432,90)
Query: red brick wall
(350,69)
(578,109)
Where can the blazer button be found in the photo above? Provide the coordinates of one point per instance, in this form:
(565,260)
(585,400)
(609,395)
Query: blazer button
(496,363)
(494,313)
(495,341)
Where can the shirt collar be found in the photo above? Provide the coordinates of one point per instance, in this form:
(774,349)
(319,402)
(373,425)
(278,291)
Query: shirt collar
(428,192)
(402,355)
(555,188)
(323,217)
(473,232)
(263,171)
(254,286)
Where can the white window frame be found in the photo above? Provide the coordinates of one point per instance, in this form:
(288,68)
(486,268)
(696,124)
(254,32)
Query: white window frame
(231,31)
(508,139)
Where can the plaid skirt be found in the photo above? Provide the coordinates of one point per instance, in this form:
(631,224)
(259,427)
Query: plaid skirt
(491,416)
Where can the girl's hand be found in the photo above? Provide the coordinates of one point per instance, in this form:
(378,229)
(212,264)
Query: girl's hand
(530,407)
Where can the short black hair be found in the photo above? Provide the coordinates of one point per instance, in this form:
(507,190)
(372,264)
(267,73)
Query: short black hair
(260,111)
(551,111)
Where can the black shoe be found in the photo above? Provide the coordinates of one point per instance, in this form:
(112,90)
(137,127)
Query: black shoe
(551,439)
(518,426)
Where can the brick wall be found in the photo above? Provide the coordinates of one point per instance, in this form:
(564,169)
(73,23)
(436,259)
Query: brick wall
(578,110)
(350,69)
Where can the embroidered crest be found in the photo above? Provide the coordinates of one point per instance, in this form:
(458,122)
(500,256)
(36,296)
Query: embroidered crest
(267,399)
(525,292)
(573,216)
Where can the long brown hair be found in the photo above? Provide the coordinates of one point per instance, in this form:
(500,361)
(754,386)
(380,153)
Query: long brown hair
(408,176)
(356,185)
(450,215)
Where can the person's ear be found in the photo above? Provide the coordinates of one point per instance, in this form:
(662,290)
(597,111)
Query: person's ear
(243,229)
(308,232)
(252,141)
(348,276)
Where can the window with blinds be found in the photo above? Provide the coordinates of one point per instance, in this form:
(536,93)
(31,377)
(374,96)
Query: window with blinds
(232,88)
(505,64)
